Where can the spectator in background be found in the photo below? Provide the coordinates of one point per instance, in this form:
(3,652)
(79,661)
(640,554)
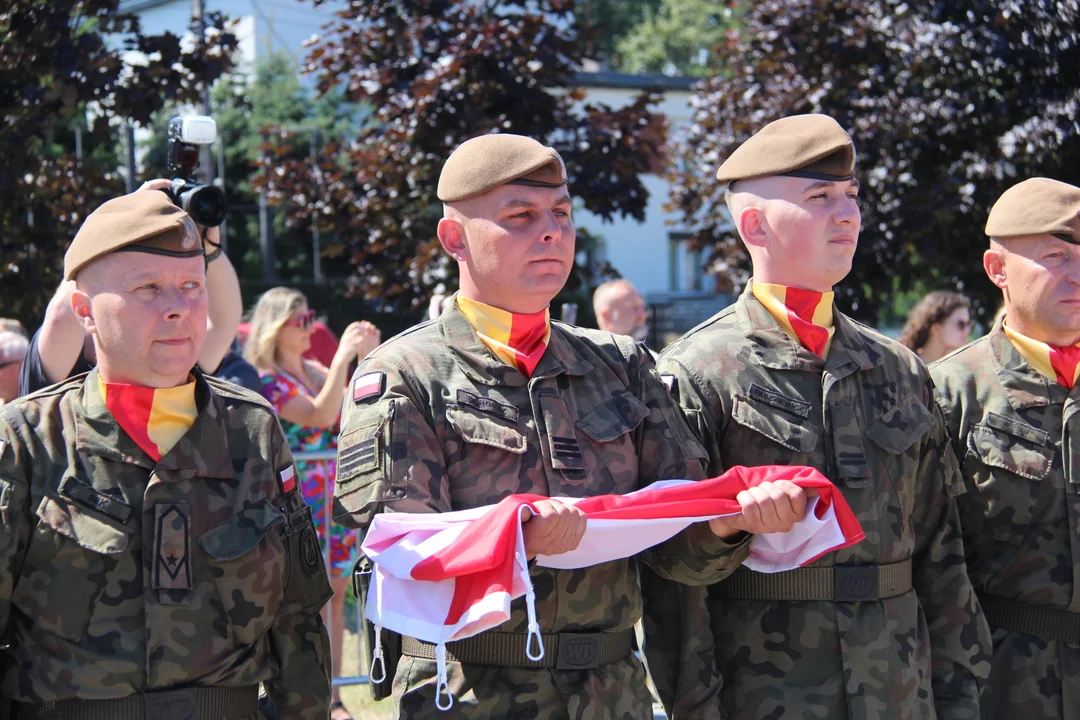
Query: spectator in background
(620,309)
(939,324)
(61,348)
(307,397)
(12,351)
(13,325)
(438,304)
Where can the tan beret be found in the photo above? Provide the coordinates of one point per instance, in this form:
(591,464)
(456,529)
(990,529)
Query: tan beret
(486,162)
(805,146)
(1039,206)
(145,221)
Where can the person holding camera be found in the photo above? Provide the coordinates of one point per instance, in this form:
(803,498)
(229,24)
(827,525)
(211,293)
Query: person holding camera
(157,559)
(61,349)
(307,397)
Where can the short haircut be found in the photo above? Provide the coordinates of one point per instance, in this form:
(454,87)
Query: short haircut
(605,291)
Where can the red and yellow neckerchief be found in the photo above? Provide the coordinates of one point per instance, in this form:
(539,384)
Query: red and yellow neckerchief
(155,418)
(805,315)
(1061,364)
(519,340)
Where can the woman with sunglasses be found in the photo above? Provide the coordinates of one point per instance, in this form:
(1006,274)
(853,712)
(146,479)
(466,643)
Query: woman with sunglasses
(307,397)
(939,324)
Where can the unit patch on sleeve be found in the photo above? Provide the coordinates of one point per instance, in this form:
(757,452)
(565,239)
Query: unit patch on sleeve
(368,385)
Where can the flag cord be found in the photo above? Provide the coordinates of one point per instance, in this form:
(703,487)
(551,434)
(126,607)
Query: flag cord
(530,602)
(442,684)
(377,660)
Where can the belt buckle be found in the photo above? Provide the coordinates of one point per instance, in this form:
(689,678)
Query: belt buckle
(172,705)
(578,651)
(855,583)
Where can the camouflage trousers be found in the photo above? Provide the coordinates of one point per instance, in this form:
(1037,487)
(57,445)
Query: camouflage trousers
(1032,678)
(614,691)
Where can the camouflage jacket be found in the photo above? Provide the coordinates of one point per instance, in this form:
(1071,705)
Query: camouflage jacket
(448,426)
(1016,431)
(120,576)
(865,418)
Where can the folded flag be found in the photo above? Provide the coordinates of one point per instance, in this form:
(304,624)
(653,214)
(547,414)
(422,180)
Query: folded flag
(440,577)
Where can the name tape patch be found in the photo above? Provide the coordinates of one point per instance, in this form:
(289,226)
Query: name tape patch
(368,385)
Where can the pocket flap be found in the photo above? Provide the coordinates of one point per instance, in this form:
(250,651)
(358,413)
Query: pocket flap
(1010,451)
(241,532)
(476,428)
(90,532)
(614,417)
(774,424)
(899,428)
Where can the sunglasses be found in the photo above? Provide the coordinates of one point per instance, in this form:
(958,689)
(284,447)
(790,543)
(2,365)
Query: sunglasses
(304,321)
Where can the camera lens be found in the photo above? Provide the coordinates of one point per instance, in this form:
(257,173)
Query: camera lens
(205,204)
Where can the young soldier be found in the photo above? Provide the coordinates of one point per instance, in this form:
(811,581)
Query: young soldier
(156,557)
(1010,404)
(494,399)
(888,628)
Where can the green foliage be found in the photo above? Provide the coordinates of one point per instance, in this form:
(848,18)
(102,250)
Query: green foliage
(63,65)
(436,74)
(949,104)
(243,108)
(676,38)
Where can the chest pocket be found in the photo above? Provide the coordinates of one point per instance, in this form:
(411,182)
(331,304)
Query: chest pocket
(1008,460)
(247,561)
(72,555)
(482,448)
(772,429)
(609,427)
(1011,445)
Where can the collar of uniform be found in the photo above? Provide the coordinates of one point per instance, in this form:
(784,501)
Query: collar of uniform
(1025,387)
(561,356)
(481,365)
(204,448)
(775,349)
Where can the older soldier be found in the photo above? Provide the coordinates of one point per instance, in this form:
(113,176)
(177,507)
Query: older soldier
(157,560)
(1010,404)
(888,628)
(493,398)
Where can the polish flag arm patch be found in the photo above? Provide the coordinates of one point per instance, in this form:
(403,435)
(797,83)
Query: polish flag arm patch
(368,385)
(288,479)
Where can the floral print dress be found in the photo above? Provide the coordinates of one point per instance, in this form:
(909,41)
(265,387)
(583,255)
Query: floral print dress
(316,476)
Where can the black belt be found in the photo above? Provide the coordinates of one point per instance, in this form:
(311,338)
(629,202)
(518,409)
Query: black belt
(194,703)
(841,583)
(562,651)
(1042,622)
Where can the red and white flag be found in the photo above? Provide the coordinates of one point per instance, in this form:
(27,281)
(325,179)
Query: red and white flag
(446,576)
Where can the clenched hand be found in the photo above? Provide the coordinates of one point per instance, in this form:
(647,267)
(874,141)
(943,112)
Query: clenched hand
(556,529)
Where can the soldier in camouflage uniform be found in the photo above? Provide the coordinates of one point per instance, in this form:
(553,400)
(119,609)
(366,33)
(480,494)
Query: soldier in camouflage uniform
(157,560)
(493,399)
(887,628)
(1010,402)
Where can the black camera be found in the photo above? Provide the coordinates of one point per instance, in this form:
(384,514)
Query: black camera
(205,204)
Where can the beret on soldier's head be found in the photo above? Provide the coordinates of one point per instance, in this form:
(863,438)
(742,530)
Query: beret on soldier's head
(486,162)
(144,221)
(806,146)
(1037,206)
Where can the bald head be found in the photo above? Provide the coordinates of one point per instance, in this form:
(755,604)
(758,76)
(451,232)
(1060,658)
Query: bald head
(620,309)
